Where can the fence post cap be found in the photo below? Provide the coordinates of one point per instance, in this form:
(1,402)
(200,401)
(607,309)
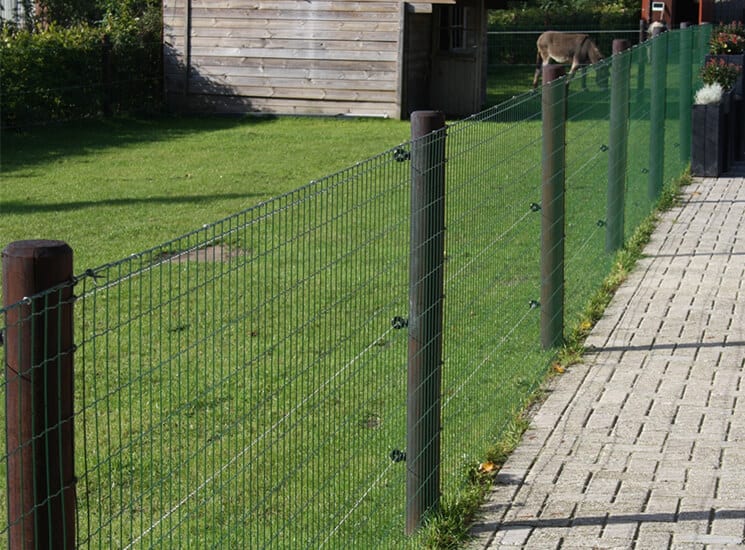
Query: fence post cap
(36,248)
(620,44)
(553,72)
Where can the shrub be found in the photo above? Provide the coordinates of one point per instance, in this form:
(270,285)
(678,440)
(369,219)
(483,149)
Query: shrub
(49,75)
(57,73)
(718,71)
(726,43)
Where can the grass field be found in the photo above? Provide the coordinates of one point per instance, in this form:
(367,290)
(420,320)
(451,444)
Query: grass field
(111,188)
(243,384)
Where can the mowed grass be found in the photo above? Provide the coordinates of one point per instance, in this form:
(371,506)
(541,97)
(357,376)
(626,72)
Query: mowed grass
(254,396)
(111,188)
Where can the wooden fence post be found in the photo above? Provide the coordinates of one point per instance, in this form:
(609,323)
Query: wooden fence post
(618,145)
(657,111)
(554,114)
(39,394)
(426,293)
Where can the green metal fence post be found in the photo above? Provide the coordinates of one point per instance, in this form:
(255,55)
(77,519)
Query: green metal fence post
(554,115)
(618,144)
(657,115)
(686,93)
(39,395)
(426,289)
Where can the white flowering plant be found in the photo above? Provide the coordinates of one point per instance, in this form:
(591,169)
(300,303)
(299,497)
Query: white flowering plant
(710,93)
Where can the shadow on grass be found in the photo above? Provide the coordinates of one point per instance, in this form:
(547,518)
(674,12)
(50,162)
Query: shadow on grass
(24,148)
(16,207)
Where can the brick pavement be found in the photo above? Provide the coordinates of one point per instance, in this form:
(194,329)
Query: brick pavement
(643,445)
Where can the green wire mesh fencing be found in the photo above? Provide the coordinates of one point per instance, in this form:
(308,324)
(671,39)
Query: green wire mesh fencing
(516,45)
(245,385)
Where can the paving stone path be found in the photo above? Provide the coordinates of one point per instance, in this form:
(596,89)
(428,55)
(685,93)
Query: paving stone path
(643,445)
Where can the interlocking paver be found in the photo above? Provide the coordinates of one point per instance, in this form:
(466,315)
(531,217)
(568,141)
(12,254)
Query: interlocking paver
(643,445)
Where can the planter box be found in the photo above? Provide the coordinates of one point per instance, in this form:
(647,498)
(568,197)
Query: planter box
(710,141)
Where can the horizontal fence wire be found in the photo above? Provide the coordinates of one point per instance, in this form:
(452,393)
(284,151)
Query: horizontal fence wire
(245,385)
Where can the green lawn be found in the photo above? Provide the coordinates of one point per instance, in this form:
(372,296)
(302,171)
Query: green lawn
(507,81)
(114,187)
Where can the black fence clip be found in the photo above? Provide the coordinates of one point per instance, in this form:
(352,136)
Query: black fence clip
(535,207)
(399,322)
(400,154)
(600,223)
(397,455)
(604,147)
(645,170)
(92,274)
(534,304)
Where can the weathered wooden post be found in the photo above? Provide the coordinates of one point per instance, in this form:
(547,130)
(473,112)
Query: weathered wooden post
(554,114)
(686,90)
(39,398)
(618,144)
(657,115)
(426,293)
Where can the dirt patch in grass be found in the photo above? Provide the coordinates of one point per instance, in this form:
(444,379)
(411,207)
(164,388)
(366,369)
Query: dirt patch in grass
(213,253)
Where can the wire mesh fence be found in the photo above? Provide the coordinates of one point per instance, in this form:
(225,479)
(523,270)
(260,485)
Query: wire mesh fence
(245,385)
(517,46)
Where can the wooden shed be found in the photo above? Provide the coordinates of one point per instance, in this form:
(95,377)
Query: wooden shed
(325,57)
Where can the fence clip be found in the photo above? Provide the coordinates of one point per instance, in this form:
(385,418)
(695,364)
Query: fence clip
(534,304)
(399,322)
(600,223)
(400,154)
(535,207)
(398,455)
(603,147)
(2,338)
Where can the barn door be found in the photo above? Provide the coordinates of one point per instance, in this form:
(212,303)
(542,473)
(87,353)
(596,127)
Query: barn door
(458,57)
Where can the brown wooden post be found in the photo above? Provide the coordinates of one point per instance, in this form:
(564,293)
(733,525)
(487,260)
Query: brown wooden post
(426,294)
(554,116)
(617,146)
(39,398)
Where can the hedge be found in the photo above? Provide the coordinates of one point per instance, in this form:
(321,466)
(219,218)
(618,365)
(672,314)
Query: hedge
(77,72)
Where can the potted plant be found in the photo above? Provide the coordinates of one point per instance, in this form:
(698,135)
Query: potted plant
(713,124)
(728,44)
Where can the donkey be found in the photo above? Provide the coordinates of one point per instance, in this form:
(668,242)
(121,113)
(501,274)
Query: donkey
(563,47)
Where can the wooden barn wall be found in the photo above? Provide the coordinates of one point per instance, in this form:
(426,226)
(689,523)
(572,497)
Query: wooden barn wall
(417,60)
(174,50)
(285,56)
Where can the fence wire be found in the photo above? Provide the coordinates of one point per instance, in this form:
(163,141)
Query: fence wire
(245,385)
